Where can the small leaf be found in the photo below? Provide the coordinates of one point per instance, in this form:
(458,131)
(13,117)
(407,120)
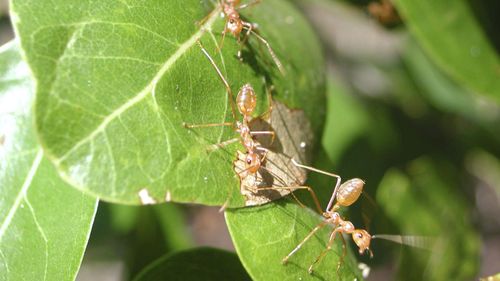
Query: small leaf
(44,223)
(116,81)
(453,38)
(195,264)
(264,235)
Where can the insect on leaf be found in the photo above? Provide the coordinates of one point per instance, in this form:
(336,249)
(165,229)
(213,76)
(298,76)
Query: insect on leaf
(264,235)
(116,81)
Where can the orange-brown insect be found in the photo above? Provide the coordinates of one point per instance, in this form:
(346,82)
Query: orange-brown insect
(246,101)
(345,195)
(236,25)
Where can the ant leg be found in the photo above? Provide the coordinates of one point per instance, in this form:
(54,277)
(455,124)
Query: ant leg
(262,133)
(224,81)
(271,133)
(220,145)
(249,27)
(334,194)
(269,102)
(318,227)
(269,110)
(219,47)
(328,248)
(241,173)
(344,252)
(190,126)
(244,6)
(216,10)
(293,188)
(273,55)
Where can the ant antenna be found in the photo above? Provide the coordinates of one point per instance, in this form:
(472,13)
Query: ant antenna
(221,76)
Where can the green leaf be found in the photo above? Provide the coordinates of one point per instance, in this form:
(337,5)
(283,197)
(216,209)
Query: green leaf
(173,226)
(264,235)
(424,201)
(116,81)
(44,223)
(447,95)
(195,264)
(453,38)
(346,120)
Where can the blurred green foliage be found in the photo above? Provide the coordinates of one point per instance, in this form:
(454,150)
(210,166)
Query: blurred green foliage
(413,110)
(424,141)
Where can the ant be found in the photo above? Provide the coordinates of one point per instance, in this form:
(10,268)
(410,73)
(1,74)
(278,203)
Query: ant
(345,195)
(235,25)
(246,101)
(255,155)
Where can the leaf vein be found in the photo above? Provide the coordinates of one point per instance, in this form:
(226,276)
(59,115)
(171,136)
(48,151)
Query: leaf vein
(42,233)
(22,192)
(146,91)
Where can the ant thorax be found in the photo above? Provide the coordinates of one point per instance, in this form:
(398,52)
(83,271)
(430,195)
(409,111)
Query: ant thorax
(332,217)
(246,136)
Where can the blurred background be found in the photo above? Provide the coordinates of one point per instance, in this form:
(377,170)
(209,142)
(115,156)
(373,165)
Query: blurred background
(427,146)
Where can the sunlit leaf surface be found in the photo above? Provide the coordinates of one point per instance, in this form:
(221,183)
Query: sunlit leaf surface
(117,79)
(44,223)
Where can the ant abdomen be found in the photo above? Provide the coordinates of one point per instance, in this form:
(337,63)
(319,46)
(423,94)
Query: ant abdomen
(246,99)
(349,192)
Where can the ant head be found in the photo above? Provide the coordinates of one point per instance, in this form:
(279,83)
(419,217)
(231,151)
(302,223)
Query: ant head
(349,192)
(246,100)
(234,24)
(362,238)
(252,162)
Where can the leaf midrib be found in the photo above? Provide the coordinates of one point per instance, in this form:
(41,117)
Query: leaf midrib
(150,88)
(22,193)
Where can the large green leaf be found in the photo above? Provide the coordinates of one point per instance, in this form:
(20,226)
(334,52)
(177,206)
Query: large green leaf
(117,79)
(424,201)
(263,236)
(44,223)
(454,39)
(195,264)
